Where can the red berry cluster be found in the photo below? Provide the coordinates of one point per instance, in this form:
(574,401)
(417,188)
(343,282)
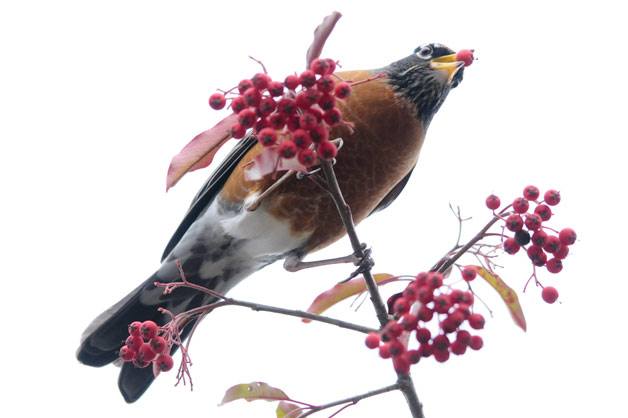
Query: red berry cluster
(295,116)
(544,246)
(144,346)
(427,303)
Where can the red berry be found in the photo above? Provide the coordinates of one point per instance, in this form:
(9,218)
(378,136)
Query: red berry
(134,342)
(469,273)
(308,121)
(260,81)
(277,121)
(158,344)
(320,66)
(493,202)
(413,356)
(442,303)
(287,149)
(286,106)
(536,254)
(261,124)
(134,328)
(476,321)
(410,292)
(293,123)
(448,325)
(421,279)
(554,265)
(275,88)
(426,350)
(562,252)
(372,340)
(307,78)
(441,356)
(392,330)
(127,353)
(409,321)
(401,364)
(552,197)
(396,348)
(567,236)
(238,104)
(425,314)
(164,362)
(476,342)
(217,101)
(520,205)
(549,294)
(533,222)
(327,102)
(291,82)
(252,97)
(327,150)
(456,295)
(466,56)
(441,343)
(514,222)
(544,212)
(511,246)
(423,335)
(301,138)
(552,244)
(467,298)
(307,98)
(332,66)
(464,310)
(325,84)
(266,106)
(307,157)
(434,279)
(342,90)
(319,134)
(332,117)
(456,318)
(384,350)
(238,131)
(148,330)
(244,85)
(458,348)
(247,118)
(539,237)
(531,192)
(464,337)
(145,353)
(267,137)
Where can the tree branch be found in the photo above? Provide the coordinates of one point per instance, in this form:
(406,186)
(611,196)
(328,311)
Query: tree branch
(352,400)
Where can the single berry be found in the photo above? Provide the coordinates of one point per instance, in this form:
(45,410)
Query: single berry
(562,252)
(319,134)
(536,255)
(514,222)
(549,294)
(158,344)
(409,321)
(426,350)
(326,84)
(511,246)
(308,121)
(401,364)
(134,342)
(238,131)
(164,362)
(458,348)
(238,104)
(384,350)
(327,150)
(410,292)
(520,205)
(301,138)
(287,149)
(267,106)
(468,298)
(134,328)
(476,342)
(277,121)
(441,343)
(148,330)
(292,82)
(332,117)
(252,96)
(466,56)
(217,101)
(543,211)
(434,279)
(396,348)
(552,244)
(425,294)
(267,137)
(292,123)
(554,265)
(260,81)
(286,106)
(423,335)
(469,273)
(275,88)
(307,98)
(448,325)
(306,157)
(441,356)
(127,353)
(539,237)
(552,197)
(456,295)
(531,193)
(442,303)
(425,314)
(567,236)
(332,65)
(392,329)
(372,340)
(247,118)
(145,353)
(492,202)
(327,102)
(522,237)
(307,78)
(342,90)
(533,222)
(476,321)
(413,356)
(320,66)
(464,337)
(244,85)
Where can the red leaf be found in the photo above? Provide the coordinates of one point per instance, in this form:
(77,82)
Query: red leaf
(268,161)
(321,33)
(200,151)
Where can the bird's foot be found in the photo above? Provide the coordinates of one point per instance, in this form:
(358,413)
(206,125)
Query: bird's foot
(364,262)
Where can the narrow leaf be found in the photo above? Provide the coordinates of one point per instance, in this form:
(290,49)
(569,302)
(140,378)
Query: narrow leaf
(200,151)
(288,410)
(321,33)
(268,161)
(253,391)
(508,295)
(342,291)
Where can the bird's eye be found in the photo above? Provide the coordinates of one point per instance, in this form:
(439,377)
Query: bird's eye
(425,52)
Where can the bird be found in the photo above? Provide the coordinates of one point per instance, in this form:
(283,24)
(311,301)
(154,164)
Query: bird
(220,242)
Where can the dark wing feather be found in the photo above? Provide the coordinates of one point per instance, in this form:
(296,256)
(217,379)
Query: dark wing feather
(392,195)
(210,189)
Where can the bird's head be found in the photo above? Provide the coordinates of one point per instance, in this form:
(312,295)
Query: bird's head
(426,77)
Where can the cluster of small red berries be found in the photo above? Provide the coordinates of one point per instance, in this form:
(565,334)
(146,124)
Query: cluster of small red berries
(544,246)
(144,346)
(426,303)
(295,116)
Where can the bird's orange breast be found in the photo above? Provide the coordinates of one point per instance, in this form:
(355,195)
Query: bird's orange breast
(383,147)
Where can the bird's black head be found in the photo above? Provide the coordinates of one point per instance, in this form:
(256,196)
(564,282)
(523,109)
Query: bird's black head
(426,77)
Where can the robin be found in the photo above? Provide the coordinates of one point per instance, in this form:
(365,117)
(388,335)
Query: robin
(220,241)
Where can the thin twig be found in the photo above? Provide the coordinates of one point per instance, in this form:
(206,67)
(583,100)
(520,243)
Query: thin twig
(352,400)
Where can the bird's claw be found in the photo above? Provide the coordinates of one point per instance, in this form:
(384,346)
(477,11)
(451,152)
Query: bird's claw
(364,262)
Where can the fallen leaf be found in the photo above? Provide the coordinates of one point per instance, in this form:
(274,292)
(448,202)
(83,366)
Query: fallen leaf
(252,392)
(508,295)
(342,291)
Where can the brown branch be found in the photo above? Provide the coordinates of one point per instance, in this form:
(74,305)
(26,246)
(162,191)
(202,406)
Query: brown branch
(352,400)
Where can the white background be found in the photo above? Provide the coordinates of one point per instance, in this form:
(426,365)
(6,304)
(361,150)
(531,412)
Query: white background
(95,98)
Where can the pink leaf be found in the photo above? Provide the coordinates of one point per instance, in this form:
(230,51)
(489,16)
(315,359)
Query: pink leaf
(268,161)
(321,33)
(344,290)
(200,151)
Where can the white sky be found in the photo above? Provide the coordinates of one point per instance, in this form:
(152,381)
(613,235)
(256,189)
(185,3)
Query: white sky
(96,98)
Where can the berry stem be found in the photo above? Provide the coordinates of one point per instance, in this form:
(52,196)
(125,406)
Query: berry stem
(352,400)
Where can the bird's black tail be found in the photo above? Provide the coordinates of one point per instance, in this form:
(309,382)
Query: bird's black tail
(103,338)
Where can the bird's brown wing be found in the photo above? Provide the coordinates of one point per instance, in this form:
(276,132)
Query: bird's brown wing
(392,195)
(210,189)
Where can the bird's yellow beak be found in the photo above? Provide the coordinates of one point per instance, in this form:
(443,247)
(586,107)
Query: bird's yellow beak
(449,64)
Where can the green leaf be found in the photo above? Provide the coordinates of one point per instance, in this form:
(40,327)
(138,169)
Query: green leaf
(253,391)
(508,295)
(288,410)
(342,291)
